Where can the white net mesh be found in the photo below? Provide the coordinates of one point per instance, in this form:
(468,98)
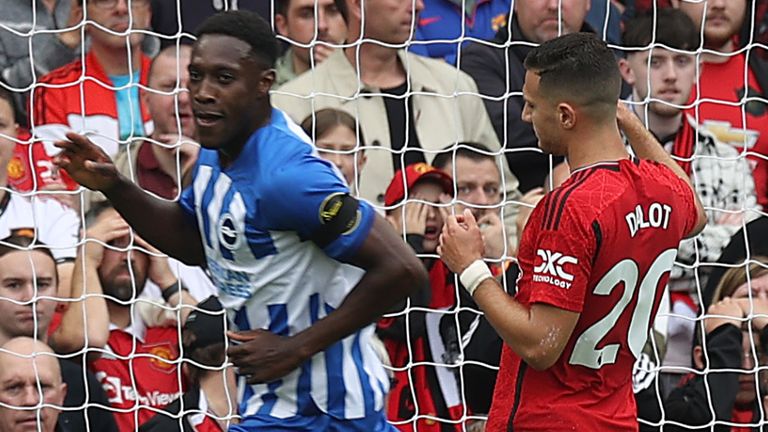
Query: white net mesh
(439,344)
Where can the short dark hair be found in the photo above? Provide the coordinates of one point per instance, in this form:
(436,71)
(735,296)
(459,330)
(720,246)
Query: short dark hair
(470,150)
(326,119)
(247,26)
(281,7)
(579,67)
(671,27)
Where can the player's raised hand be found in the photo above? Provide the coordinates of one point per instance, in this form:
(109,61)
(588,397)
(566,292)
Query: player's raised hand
(262,356)
(461,242)
(86,163)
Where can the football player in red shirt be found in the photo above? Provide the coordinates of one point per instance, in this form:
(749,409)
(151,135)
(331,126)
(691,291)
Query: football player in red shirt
(594,257)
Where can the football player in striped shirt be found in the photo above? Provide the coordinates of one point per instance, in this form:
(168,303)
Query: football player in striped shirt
(303,267)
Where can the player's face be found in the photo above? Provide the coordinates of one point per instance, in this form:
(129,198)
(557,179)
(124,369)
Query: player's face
(229,90)
(162,106)
(25,277)
(722,18)
(391,21)
(543,20)
(542,114)
(298,24)
(116,16)
(478,182)
(121,270)
(8,130)
(341,139)
(19,380)
(671,77)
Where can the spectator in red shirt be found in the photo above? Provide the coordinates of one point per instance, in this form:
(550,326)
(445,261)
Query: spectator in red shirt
(63,101)
(136,345)
(738,117)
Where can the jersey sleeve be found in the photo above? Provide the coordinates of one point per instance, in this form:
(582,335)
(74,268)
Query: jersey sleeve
(187,196)
(686,200)
(564,252)
(310,198)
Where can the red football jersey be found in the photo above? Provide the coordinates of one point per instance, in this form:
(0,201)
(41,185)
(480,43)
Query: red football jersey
(601,245)
(137,379)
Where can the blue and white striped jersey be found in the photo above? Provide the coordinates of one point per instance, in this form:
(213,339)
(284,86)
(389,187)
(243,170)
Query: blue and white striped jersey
(256,218)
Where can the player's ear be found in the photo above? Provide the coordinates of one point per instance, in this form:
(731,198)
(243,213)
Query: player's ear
(566,116)
(266,79)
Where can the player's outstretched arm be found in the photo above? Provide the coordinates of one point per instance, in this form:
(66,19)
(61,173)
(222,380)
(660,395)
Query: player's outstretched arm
(164,224)
(646,146)
(538,334)
(392,273)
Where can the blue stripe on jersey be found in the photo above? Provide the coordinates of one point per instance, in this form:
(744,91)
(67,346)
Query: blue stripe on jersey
(206,200)
(368,397)
(259,241)
(334,365)
(243,323)
(241,319)
(278,324)
(304,385)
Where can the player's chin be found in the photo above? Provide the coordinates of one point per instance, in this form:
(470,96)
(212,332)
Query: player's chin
(209,138)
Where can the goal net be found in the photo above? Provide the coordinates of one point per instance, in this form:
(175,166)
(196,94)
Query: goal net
(440,354)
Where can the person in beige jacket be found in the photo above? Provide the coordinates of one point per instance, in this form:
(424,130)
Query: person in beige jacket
(443,106)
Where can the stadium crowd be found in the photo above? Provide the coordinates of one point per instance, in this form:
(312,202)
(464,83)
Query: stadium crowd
(418,105)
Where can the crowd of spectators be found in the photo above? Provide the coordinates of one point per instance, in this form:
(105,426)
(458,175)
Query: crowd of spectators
(418,105)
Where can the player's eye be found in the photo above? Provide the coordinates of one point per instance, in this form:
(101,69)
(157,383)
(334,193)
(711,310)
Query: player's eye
(226,78)
(194,75)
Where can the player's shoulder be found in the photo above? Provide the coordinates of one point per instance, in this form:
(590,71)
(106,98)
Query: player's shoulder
(582,197)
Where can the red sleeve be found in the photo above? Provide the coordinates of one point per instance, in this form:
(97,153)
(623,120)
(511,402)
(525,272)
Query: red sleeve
(563,262)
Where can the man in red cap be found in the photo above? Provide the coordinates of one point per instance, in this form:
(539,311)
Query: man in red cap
(432,387)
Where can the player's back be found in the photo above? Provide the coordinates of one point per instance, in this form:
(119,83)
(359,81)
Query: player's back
(601,245)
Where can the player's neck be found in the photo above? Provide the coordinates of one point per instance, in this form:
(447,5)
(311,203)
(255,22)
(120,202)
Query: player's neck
(115,62)
(596,144)
(229,152)
(379,66)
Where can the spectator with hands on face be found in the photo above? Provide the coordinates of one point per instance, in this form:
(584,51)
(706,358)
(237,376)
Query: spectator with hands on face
(413,201)
(734,325)
(111,278)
